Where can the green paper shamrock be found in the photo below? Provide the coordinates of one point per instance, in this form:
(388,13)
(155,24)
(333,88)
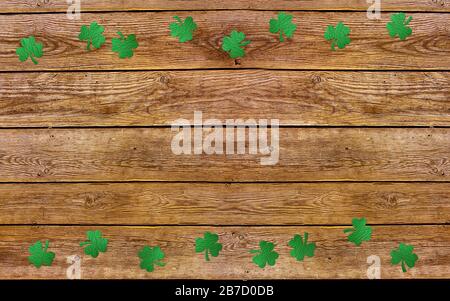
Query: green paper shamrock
(338,35)
(40,257)
(151,256)
(283,25)
(30,49)
(95,244)
(124,46)
(360,231)
(404,254)
(208,244)
(399,27)
(234,44)
(183,30)
(92,35)
(266,254)
(301,247)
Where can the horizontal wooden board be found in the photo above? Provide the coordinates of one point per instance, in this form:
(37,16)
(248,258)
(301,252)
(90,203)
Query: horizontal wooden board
(15,6)
(159,98)
(335,257)
(224,204)
(305,154)
(372,48)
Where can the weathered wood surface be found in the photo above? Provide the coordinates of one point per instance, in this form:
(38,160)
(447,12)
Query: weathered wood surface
(371,48)
(160,97)
(335,257)
(306,154)
(224,204)
(16,6)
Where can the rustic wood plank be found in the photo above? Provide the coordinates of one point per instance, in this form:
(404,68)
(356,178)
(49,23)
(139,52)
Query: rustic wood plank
(372,48)
(306,154)
(16,6)
(335,256)
(158,98)
(224,204)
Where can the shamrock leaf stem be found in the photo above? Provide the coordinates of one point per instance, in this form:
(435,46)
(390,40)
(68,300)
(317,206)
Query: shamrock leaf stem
(333,45)
(399,26)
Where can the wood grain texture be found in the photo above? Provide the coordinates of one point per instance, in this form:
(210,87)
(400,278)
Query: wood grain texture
(306,154)
(224,204)
(371,48)
(160,97)
(16,6)
(335,257)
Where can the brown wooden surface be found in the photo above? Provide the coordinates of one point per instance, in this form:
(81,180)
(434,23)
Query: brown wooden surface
(372,48)
(160,97)
(306,154)
(335,257)
(15,6)
(224,204)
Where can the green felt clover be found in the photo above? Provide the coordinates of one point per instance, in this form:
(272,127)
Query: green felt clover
(95,244)
(208,244)
(93,35)
(234,44)
(30,49)
(265,255)
(360,231)
(301,247)
(399,26)
(183,30)
(404,255)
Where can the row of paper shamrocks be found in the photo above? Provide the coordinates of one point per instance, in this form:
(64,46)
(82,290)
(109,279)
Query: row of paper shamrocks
(233,44)
(209,245)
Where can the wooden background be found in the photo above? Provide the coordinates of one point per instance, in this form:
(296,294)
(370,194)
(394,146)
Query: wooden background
(85,141)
